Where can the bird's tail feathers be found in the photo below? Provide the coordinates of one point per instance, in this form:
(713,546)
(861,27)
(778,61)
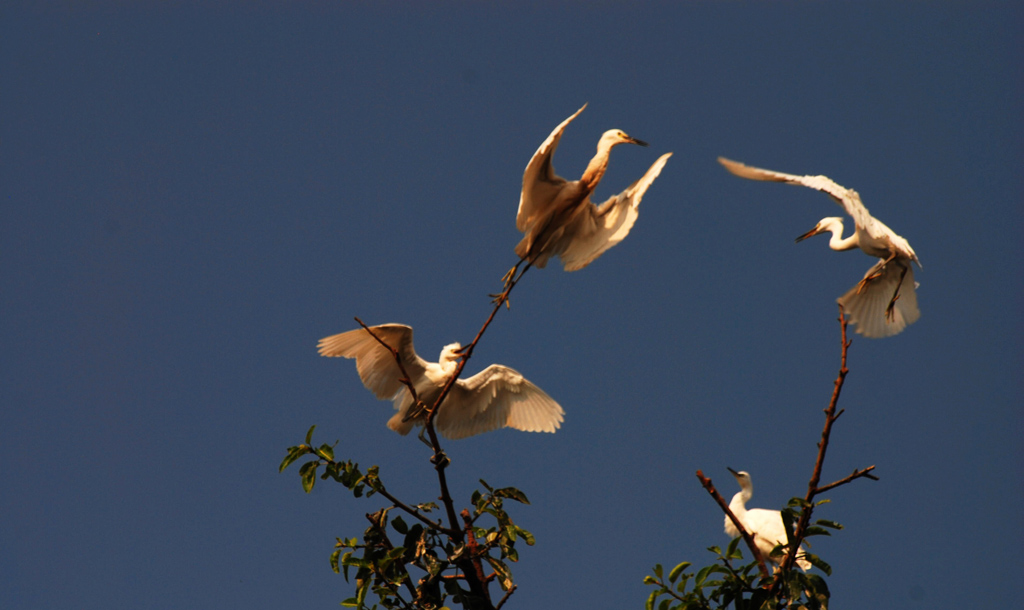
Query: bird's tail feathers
(866,303)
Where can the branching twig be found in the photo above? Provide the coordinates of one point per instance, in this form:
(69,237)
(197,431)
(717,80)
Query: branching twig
(505,597)
(706,482)
(471,566)
(812,486)
(865,472)
(412,511)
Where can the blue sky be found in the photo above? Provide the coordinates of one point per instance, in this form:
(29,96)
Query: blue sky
(194,194)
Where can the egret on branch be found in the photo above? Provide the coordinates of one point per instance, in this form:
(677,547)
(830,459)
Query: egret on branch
(494,398)
(765,526)
(885,301)
(557,216)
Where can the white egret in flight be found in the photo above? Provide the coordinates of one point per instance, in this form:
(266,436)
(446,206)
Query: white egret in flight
(885,301)
(765,526)
(557,216)
(494,398)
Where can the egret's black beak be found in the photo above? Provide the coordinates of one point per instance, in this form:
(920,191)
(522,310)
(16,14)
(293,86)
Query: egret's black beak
(734,473)
(810,233)
(633,140)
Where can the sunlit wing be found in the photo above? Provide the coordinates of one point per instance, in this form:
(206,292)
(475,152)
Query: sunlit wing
(848,198)
(497,397)
(601,227)
(866,308)
(540,183)
(376,365)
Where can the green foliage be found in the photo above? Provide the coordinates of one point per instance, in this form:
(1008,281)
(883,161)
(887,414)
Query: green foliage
(419,563)
(724,583)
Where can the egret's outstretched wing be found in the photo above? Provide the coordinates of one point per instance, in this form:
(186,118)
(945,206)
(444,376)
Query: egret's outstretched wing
(848,198)
(866,303)
(494,398)
(598,228)
(540,183)
(377,367)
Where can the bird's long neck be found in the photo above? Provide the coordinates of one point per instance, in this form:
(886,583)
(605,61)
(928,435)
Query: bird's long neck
(738,505)
(839,244)
(597,166)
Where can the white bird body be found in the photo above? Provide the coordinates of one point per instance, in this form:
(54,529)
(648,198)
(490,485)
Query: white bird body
(493,398)
(764,525)
(557,216)
(884,302)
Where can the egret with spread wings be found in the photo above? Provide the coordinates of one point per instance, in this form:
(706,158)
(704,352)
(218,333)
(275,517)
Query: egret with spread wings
(494,398)
(885,301)
(557,217)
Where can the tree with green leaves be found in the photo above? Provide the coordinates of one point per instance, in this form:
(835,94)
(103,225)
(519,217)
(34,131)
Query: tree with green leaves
(749,586)
(430,561)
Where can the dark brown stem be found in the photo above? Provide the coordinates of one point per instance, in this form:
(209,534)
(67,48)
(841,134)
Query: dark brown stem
(831,416)
(756,552)
(504,598)
(472,548)
(471,566)
(412,511)
(864,472)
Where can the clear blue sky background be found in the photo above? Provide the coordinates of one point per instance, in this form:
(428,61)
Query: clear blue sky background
(194,193)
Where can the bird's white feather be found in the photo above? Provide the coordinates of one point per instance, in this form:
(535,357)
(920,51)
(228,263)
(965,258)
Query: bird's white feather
(866,304)
(766,526)
(598,228)
(496,397)
(376,365)
(540,183)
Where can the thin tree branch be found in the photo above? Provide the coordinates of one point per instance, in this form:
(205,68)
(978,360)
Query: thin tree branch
(505,597)
(865,472)
(474,574)
(756,552)
(405,379)
(412,511)
(797,537)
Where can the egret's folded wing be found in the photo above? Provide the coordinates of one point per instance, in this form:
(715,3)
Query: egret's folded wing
(495,398)
(848,198)
(376,365)
(540,183)
(866,305)
(598,228)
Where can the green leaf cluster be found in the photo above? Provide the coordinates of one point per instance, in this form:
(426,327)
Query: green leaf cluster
(724,583)
(421,565)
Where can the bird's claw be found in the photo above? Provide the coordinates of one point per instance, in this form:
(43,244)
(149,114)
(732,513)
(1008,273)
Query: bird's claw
(440,458)
(863,284)
(501,297)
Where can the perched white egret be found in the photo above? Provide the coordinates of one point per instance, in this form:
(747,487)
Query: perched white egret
(494,398)
(885,301)
(765,526)
(557,216)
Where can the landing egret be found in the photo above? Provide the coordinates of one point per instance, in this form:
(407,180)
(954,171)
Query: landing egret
(765,526)
(885,301)
(493,398)
(556,216)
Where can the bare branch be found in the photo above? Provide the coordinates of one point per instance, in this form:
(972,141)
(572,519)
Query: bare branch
(865,472)
(756,552)
(812,486)
(505,597)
